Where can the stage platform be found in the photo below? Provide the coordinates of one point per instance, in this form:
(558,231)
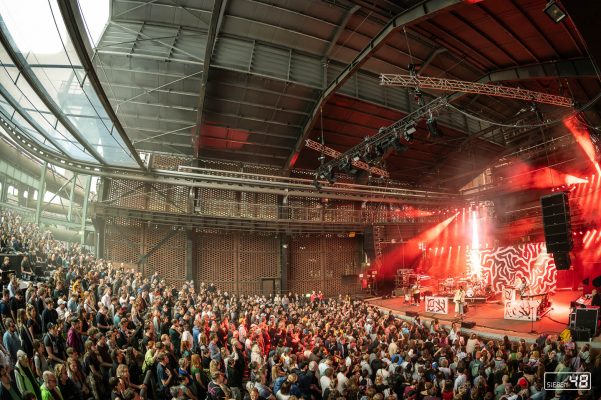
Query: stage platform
(489,317)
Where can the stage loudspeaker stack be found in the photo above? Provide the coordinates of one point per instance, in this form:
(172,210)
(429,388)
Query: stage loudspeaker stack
(411,313)
(562,261)
(581,334)
(586,318)
(556,222)
(368,243)
(468,324)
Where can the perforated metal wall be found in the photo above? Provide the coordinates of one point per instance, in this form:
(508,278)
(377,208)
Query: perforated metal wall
(318,263)
(169,259)
(307,209)
(126,193)
(168,198)
(258,205)
(236,262)
(215,260)
(162,161)
(217,202)
(122,240)
(259,257)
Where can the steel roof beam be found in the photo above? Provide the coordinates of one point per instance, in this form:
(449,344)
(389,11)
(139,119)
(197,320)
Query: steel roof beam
(19,110)
(413,15)
(36,86)
(214,27)
(74,24)
(341,27)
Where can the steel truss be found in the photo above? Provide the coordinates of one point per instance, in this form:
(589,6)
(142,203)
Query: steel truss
(453,85)
(336,154)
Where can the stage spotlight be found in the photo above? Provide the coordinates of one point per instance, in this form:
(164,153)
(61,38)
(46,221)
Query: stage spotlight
(432,127)
(347,166)
(328,174)
(368,156)
(398,146)
(408,134)
(554,12)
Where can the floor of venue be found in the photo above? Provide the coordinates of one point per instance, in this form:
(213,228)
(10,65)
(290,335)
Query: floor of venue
(489,316)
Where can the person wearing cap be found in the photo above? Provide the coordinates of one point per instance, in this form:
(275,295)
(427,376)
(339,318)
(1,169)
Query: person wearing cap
(62,308)
(24,376)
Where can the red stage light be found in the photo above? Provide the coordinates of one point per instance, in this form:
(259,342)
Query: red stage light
(581,134)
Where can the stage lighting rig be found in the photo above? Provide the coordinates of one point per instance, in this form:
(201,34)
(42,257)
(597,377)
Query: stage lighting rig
(408,133)
(328,174)
(432,127)
(346,165)
(397,145)
(374,148)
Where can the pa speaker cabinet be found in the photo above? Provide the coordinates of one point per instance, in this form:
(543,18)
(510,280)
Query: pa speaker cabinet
(586,318)
(562,261)
(581,334)
(556,222)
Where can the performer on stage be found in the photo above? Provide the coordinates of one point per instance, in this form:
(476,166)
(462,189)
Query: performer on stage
(459,300)
(522,287)
(416,293)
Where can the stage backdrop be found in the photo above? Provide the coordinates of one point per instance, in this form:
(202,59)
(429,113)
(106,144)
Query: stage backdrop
(501,267)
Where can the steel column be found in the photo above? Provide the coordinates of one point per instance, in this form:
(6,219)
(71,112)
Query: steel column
(71,195)
(84,209)
(189,254)
(41,192)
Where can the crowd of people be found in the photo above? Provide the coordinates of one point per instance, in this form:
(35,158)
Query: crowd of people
(97,331)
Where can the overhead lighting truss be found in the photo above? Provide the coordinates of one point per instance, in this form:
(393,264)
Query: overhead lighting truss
(336,154)
(387,137)
(452,85)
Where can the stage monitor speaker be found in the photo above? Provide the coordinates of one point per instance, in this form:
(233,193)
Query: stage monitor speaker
(468,324)
(556,222)
(581,334)
(562,261)
(586,318)
(411,313)
(597,281)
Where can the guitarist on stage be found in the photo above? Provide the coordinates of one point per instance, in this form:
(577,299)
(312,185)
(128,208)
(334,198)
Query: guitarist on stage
(459,299)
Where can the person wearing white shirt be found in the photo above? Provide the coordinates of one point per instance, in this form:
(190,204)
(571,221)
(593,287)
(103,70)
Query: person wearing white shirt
(342,379)
(326,379)
(106,298)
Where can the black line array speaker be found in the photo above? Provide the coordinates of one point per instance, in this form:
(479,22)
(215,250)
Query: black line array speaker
(562,261)
(368,243)
(556,222)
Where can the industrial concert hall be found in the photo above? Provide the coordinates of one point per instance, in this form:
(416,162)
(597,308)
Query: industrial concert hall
(300,199)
